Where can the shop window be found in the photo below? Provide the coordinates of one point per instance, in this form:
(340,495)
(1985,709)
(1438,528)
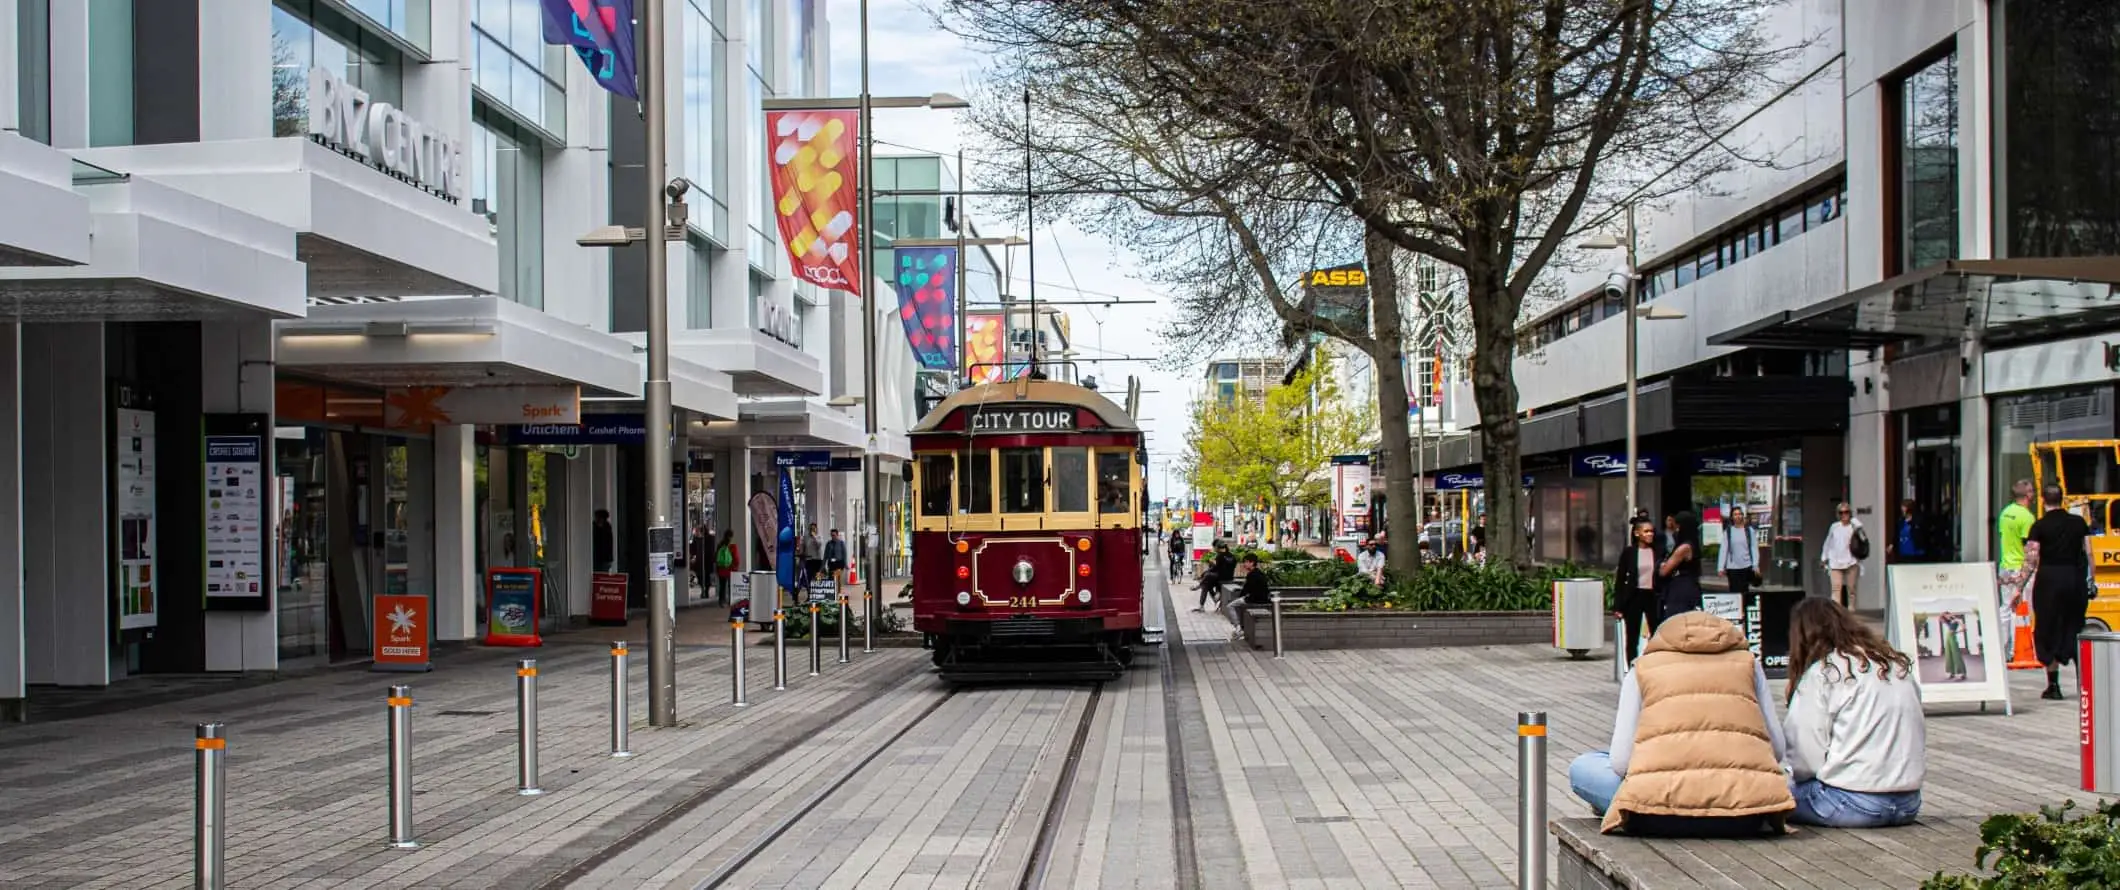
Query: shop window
(1022,480)
(936,471)
(975,485)
(1071,480)
(2021,421)
(1927,132)
(1114,483)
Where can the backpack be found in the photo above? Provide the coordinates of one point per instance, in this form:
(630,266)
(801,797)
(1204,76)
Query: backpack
(1859,545)
(725,557)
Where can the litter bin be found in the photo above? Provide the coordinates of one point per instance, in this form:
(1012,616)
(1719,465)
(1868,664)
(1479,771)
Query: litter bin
(2098,724)
(1579,622)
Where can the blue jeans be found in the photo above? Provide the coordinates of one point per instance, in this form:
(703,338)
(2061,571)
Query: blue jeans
(1818,803)
(1594,781)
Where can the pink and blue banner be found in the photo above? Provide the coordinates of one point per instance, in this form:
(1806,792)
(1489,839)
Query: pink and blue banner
(601,32)
(927,304)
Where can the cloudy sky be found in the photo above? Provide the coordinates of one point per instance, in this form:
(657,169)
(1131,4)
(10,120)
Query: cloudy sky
(909,56)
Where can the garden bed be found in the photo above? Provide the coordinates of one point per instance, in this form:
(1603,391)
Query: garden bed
(1393,629)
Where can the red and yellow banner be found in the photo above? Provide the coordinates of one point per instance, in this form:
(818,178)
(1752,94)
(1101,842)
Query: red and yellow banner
(985,346)
(813,160)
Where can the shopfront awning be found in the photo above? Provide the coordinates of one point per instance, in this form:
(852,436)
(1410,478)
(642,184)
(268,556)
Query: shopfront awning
(758,365)
(46,222)
(158,254)
(695,388)
(458,341)
(2000,301)
(786,423)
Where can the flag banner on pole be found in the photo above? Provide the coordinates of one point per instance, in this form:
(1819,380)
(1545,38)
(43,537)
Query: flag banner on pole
(601,32)
(927,303)
(984,346)
(813,160)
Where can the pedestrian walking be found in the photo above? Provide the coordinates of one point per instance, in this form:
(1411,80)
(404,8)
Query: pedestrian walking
(1907,543)
(724,565)
(835,554)
(1681,567)
(812,556)
(1845,548)
(2059,557)
(603,544)
(1738,560)
(1637,585)
(1177,552)
(2015,524)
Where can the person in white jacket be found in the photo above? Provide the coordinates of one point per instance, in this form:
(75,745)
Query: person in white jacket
(1855,730)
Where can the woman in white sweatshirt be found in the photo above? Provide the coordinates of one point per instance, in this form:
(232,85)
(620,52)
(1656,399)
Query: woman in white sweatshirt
(1855,731)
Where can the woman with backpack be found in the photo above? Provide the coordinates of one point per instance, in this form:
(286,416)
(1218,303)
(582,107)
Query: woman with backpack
(724,565)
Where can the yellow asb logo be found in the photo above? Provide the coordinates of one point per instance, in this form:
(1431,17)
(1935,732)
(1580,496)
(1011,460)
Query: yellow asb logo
(1339,278)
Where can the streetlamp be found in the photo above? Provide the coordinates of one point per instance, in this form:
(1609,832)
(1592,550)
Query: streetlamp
(1633,314)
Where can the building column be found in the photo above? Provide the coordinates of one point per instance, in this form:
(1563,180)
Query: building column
(235,377)
(1977,487)
(568,484)
(13,681)
(235,37)
(455,511)
(419,519)
(732,495)
(65,533)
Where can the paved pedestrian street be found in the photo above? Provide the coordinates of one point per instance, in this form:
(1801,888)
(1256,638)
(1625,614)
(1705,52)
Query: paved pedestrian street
(1210,765)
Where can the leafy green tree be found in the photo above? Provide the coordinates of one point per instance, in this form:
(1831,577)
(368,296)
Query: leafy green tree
(1275,451)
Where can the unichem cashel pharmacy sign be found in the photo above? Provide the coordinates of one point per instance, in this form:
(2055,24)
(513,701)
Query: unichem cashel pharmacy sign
(378,134)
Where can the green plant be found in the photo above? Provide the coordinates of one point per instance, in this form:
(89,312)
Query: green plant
(2049,851)
(1308,572)
(1451,586)
(797,621)
(890,621)
(1290,554)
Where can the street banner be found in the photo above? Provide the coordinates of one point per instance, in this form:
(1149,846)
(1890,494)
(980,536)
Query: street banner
(784,523)
(401,634)
(607,598)
(765,525)
(512,598)
(601,33)
(927,303)
(985,346)
(419,407)
(812,158)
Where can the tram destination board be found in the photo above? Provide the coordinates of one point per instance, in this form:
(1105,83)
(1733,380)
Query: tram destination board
(1024,420)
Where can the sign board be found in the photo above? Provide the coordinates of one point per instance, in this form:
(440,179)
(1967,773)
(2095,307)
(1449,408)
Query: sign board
(1763,617)
(1023,420)
(594,429)
(513,596)
(378,134)
(607,598)
(1736,463)
(419,407)
(402,634)
(824,591)
(803,460)
(1944,617)
(1350,497)
(1600,464)
(133,490)
(235,518)
(1461,481)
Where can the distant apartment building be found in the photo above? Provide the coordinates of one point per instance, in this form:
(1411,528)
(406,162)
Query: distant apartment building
(1230,378)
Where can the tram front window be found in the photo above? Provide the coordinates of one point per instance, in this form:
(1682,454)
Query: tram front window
(975,486)
(1114,483)
(936,471)
(1022,480)
(1071,480)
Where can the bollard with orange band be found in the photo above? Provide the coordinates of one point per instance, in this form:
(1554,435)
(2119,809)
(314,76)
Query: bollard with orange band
(780,650)
(844,617)
(399,704)
(526,728)
(2024,654)
(209,828)
(621,703)
(1531,800)
(739,693)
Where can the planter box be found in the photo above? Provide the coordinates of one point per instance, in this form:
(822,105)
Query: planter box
(1388,629)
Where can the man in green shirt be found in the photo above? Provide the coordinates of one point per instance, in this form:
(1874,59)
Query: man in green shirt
(2014,525)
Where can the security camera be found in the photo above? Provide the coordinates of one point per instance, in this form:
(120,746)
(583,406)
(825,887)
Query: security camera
(677,188)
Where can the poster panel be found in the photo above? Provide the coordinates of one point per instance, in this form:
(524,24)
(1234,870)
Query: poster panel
(401,634)
(235,515)
(1944,618)
(133,449)
(513,596)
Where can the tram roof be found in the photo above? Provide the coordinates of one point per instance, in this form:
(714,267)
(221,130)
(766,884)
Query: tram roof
(1026,391)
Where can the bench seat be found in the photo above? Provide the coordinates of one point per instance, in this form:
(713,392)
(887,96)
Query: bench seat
(1807,858)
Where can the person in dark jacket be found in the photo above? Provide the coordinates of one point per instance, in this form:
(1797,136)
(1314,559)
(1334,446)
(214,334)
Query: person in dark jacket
(835,554)
(1637,586)
(1680,569)
(1220,572)
(1257,593)
(603,546)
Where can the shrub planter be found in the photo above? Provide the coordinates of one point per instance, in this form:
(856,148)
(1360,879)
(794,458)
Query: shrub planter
(1388,629)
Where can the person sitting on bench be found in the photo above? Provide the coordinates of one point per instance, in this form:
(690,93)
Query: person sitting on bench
(1256,593)
(1857,738)
(1696,749)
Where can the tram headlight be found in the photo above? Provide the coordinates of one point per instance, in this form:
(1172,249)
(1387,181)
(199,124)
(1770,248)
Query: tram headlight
(1082,544)
(1083,595)
(963,598)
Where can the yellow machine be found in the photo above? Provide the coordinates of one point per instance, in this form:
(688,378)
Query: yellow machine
(2052,463)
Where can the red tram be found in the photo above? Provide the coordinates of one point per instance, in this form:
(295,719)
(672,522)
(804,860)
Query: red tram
(1027,534)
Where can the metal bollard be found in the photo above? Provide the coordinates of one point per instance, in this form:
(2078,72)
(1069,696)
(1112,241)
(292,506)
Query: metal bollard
(1531,800)
(621,703)
(816,644)
(400,713)
(736,677)
(844,617)
(209,828)
(1277,651)
(780,650)
(1619,650)
(868,626)
(526,728)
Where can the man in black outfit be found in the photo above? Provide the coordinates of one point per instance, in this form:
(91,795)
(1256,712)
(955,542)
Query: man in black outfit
(1256,594)
(2061,590)
(603,547)
(1218,573)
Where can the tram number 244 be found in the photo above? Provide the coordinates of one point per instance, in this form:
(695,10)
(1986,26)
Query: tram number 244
(1023,602)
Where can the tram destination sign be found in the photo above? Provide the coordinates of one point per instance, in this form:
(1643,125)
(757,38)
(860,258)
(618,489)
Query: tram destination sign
(1023,420)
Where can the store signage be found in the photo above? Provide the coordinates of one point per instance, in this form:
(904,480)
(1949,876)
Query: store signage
(382,136)
(1460,481)
(401,634)
(418,407)
(777,321)
(1607,464)
(133,450)
(1340,459)
(1023,420)
(235,517)
(803,460)
(1344,276)
(607,598)
(1733,464)
(594,429)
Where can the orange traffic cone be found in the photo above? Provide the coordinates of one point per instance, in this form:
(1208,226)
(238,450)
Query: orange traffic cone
(2024,655)
(853,576)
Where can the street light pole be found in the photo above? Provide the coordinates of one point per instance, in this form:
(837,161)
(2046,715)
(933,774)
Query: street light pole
(964,373)
(662,535)
(1633,394)
(872,602)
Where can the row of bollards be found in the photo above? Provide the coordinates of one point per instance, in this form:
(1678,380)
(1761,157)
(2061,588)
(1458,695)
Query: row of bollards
(1278,652)
(1531,800)
(211,744)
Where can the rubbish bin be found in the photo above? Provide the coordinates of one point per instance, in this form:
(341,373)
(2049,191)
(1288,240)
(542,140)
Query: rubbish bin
(1579,622)
(2098,724)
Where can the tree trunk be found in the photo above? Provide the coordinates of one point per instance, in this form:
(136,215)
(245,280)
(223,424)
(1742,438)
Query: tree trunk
(1388,355)
(1494,390)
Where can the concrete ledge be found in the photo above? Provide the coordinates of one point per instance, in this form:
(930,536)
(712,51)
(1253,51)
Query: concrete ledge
(1384,629)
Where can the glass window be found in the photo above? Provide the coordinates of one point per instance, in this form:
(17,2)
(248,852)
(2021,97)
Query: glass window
(702,46)
(409,19)
(975,486)
(802,14)
(1790,225)
(1071,480)
(1822,209)
(1022,480)
(1753,242)
(507,186)
(1709,261)
(512,64)
(1928,166)
(1115,482)
(110,72)
(2057,91)
(2021,421)
(935,473)
(756,25)
(34,67)
(699,288)
(298,44)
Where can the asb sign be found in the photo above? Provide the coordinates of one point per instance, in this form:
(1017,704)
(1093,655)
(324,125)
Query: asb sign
(380,135)
(1343,276)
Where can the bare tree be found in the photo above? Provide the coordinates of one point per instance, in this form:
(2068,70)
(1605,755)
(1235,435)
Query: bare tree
(1475,132)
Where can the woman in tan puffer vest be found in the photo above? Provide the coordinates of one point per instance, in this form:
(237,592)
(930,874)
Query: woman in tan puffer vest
(1696,749)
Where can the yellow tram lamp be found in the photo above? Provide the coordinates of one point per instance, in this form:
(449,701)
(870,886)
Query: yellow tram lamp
(1082,544)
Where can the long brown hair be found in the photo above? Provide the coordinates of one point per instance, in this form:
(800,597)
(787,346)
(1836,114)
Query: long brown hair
(1819,627)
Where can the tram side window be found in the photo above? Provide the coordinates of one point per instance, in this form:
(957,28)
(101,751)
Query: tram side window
(1071,480)
(1114,483)
(975,486)
(937,473)
(1022,480)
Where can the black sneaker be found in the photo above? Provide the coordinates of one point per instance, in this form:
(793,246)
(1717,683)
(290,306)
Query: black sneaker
(2052,693)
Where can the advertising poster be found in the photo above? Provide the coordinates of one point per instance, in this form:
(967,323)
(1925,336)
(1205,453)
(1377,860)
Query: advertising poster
(927,303)
(985,342)
(235,517)
(512,597)
(134,446)
(401,634)
(1350,497)
(1943,617)
(812,165)
(607,598)
(765,523)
